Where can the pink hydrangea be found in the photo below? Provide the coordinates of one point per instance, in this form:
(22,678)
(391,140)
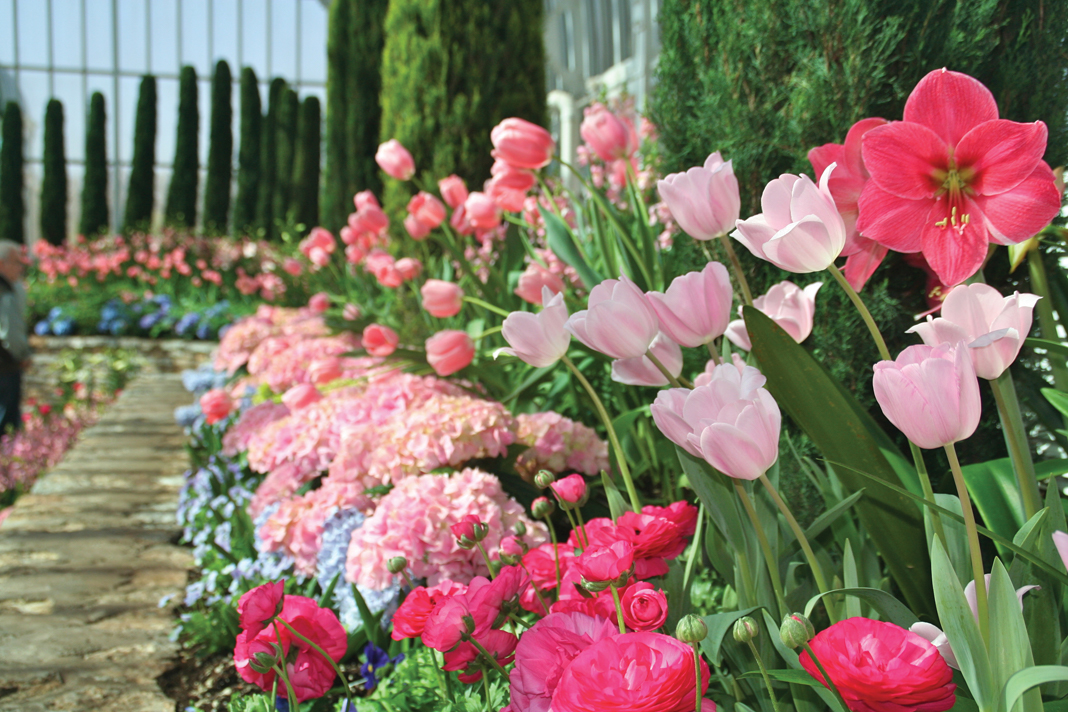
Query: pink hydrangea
(285,368)
(558,444)
(248,424)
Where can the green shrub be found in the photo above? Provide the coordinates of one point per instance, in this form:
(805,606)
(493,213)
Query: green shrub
(94,220)
(141,195)
(220,152)
(54,182)
(248,155)
(305,201)
(269,160)
(182,193)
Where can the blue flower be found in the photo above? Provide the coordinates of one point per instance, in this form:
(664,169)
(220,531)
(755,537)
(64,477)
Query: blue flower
(54,313)
(377,658)
(204,331)
(187,322)
(150,320)
(63,327)
(41,328)
(281,703)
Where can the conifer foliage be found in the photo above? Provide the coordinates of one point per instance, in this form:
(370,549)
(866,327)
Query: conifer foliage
(248,154)
(305,203)
(142,191)
(94,219)
(182,193)
(54,181)
(285,143)
(12,206)
(220,152)
(269,160)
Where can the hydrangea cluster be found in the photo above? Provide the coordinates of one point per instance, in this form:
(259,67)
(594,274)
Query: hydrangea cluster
(558,444)
(242,339)
(251,421)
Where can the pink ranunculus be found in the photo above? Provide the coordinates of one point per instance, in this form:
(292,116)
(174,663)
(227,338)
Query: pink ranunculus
(442,299)
(319,302)
(993,326)
(416,230)
(395,160)
(606,563)
(571,489)
(522,144)
(787,305)
(704,200)
(538,339)
(453,191)
(408,268)
(846,185)
(881,667)
(410,619)
(379,340)
(800,229)
(260,605)
(644,607)
(930,393)
(301,396)
(609,136)
(449,351)
(482,211)
(534,277)
(641,371)
(636,671)
(953,177)
(427,209)
(216,405)
(620,322)
(696,307)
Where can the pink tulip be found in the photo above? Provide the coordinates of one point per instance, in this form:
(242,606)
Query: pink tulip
(509,186)
(415,229)
(324,370)
(408,267)
(292,267)
(453,191)
(930,393)
(522,144)
(319,302)
(301,396)
(787,305)
(368,219)
(696,307)
(482,211)
(351,312)
(640,371)
(365,199)
(620,322)
(442,299)
(538,339)
(993,326)
(610,136)
(395,160)
(379,340)
(216,404)
(532,280)
(449,351)
(704,201)
(570,489)
(318,246)
(427,209)
(800,229)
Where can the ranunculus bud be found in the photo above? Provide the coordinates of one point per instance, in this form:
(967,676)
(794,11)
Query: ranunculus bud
(572,491)
(691,629)
(262,662)
(469,531)
(542,507)
(396,564)
(745,629)
(796,630)
(520,528)
(512,550)
(544,478)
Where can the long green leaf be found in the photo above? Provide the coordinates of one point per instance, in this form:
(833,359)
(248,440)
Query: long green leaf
(1024,680)
(895,611)
(561,242)
(1010,648)
(1058,399)
(993,487)
(719,626)
(1053,346)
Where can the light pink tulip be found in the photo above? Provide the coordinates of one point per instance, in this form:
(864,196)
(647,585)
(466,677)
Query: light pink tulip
(620,322)
(696,307)
(301,396)
(379,340)
(609,136)
(408,267)
(442,299)
(482,211)
(787,305)
(704,201)
(522,144)
(930,393)
(319,302)
(416,230)
(993,326)
(538,339)
(324,370)
(365,199)
(351,312)
(934,635)
(509,186)
(969,595)
(395,160)
(640,371)
(453,191)
(1060,540)
(532,280)
(705,377)
(427,209)
(449,351)
(800,229)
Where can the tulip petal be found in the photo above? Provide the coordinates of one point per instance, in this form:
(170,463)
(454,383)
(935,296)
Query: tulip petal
(951,104)
(732,452)
(891,221)
(754,234)
(1002,153)
(805,246)
(903,157)
(1017,214)
(737,334)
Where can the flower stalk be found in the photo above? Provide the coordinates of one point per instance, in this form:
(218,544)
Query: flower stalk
(978,572)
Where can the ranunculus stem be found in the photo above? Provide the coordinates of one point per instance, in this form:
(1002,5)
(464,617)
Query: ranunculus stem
(769,556)
(486,305)
(813,562)
(486,558)
(764,674)
(827,678)
(619,609)
(337,668)
(743,283)
(485,653)
(1016,440)
(880,343)
(582,526)
(697,677)
(291,697)
(663,370)
(533,587)
(556,552)
(978,572)
(621,458)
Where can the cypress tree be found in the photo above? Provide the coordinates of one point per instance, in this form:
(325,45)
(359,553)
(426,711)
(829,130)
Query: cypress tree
(142,192)
(248,155)
(305,203)
(354,46)
(220,152)
(286,144)
(94,220)
(269,160)
(182,193)
(451,71)
(12,205)
(54,182)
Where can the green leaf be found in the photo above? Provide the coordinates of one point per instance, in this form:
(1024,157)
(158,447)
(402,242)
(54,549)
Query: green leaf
(562,243)
(1051,468)
(794,662)
(1031,677)
(794,677)
(370,621)
(1053,346)
(616,504)
(1010,648)
(844,432)
(719,626)
(1058,399)
(892,609)
(993,487)
(718,497)
(849,578)
(325,600)
(828,518)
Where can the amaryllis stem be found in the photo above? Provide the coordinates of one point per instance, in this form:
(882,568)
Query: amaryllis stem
(769,556)
(880,343)
(619,609)
(1016,439)
(743,283)
(978,572)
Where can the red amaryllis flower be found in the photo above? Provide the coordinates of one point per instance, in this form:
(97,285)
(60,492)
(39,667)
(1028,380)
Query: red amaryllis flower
(953,177)
(881,667)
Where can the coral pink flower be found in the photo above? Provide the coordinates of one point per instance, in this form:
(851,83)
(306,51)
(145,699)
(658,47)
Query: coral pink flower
(318,246)
(379,340)
(606,563)
(611,137)
(952,177)
(427,209)
(538,339)
(696,307)
(641,371)
(216,405)
(453,191)
(789,306)
(410,619)
(292,267)
(570,489)
(509,186)
(395,160)
(704,200)
(535,277)
(365,199)
(301,396)
(319,302)
(482,211)
(260,605)
(620,322)
(408,267)
(325,370)
(522,144)
(449,351)
(351,312)
(442,299)
(644,607)
(416,230)
(881,667)
(846,184)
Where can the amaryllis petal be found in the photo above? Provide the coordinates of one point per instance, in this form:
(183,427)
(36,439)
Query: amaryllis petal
(1020,213)
(951,104)
(903,157)
(892,221)
(955,249)
(853,161)
(1001,153)
(861,265)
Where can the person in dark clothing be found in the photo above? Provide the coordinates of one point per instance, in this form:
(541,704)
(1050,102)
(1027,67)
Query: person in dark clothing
(14,344)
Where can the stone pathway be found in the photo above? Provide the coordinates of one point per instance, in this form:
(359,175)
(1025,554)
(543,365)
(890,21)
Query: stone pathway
(85,559)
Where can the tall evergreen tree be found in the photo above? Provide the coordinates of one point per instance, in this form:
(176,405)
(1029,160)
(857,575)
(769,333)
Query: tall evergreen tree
(141,195)
(54,181)
(12,204)
(182,193)
(286,143)
(269,160)
(305,201)
(220,152)
(353,113)
(452,70)
(94,219)
(248,154)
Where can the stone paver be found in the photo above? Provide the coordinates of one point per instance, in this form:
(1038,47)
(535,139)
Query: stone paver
(85,559)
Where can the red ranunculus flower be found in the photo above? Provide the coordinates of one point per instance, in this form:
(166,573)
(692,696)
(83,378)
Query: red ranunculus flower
(953,177)
(644,607)
(260,605)
(881,667)
(606,563)
(410,619)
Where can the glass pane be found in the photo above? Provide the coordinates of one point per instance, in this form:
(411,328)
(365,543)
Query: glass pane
(69,91)
(195,36)
(225,35)
(283,42)
(7,32)
(33,85)
(313,42)
(129,89)
(626,30)
(167,126)
(32,28)
(164,21)
(66,33)
(204,104)
(132,50)
(98,33)
(254,37)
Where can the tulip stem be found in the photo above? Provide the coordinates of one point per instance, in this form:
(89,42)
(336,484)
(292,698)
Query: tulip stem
(621,459)
(880,343)
(619,609)
(827,678)
(769,557)
(764,674)
(813,562)
(337,668)
(486,305)
(928,492)
(1047,322)
(697,677)
(663,370)
(978,572)
(1016,440)
(696,553)
(743,283)
(714,354)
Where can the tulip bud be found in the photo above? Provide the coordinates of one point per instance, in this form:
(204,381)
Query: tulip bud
(745,629)
(544,478)
(796,630)
(542,508)
(691,629)
(262,662)
(397,564)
